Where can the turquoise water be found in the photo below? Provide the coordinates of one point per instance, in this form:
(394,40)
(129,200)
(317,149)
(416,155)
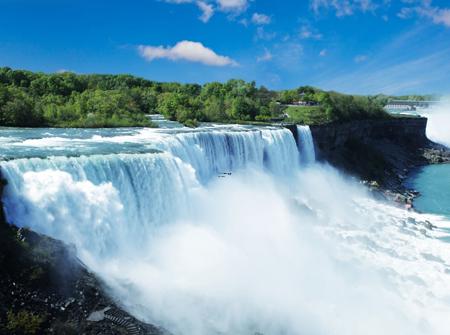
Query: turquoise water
(433,183)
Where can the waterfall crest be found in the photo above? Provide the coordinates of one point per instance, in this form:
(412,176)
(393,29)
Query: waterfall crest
(101,202)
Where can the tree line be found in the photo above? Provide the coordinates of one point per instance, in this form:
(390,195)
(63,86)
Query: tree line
(71,100)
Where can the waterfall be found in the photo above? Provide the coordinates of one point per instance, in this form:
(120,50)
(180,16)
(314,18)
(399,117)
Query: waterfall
(219,151)
(221,231)
(101,202)
(97,202)
(306,145)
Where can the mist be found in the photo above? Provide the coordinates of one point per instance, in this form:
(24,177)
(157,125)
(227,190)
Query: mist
(438,129)
(259,255)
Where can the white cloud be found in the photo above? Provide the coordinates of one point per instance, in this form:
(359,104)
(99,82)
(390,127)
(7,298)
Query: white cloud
(267,56)
(442,16)
(208,7)
(323,53)
(188,51)
(437,15)
(207,11)
(344,7)
(424,8)
(261,19)
(306,32)
(232,5)
(262,34)
(360,58)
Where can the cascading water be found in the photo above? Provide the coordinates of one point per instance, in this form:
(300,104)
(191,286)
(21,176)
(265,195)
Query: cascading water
(221,231)
(438,120)
(87,200)
(306,145)
(98,202)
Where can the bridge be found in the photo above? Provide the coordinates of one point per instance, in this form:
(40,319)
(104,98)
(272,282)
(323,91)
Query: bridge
(410,104)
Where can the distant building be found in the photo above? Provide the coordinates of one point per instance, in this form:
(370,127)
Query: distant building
(304,103)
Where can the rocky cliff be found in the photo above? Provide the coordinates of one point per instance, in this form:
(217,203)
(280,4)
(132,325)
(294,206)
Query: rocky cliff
(381,150)
(407,132)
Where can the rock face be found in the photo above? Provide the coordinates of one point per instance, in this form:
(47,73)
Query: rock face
(407,132)
(44,289)
(381,150)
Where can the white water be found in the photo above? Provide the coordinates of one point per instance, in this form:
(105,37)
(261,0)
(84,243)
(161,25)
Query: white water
(438,128)
(86,200)
(306,145)
(273,247)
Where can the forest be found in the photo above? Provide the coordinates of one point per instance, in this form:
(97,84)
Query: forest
(35,99)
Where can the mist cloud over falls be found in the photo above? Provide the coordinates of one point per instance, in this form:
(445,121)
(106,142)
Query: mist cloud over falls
(255,259)
(257,254)
(438,128)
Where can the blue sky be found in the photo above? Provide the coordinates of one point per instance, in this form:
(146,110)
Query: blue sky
(354,46)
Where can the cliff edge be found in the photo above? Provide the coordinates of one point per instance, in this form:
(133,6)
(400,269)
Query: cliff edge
(385,151)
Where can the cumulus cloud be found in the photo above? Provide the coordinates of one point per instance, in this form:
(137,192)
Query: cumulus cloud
(188,51)
(261,19)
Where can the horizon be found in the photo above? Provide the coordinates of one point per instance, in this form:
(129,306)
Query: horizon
(357,47)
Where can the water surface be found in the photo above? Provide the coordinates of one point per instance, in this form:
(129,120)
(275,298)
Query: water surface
(433,183)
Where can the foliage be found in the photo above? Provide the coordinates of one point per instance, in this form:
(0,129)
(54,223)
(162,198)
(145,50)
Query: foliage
(336,107)
(306,114)
(24,322)
(30,99)
(70,100)
(340,107)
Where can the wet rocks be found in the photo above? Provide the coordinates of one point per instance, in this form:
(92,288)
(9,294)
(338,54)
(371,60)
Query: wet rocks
(50,284)
(45,289)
